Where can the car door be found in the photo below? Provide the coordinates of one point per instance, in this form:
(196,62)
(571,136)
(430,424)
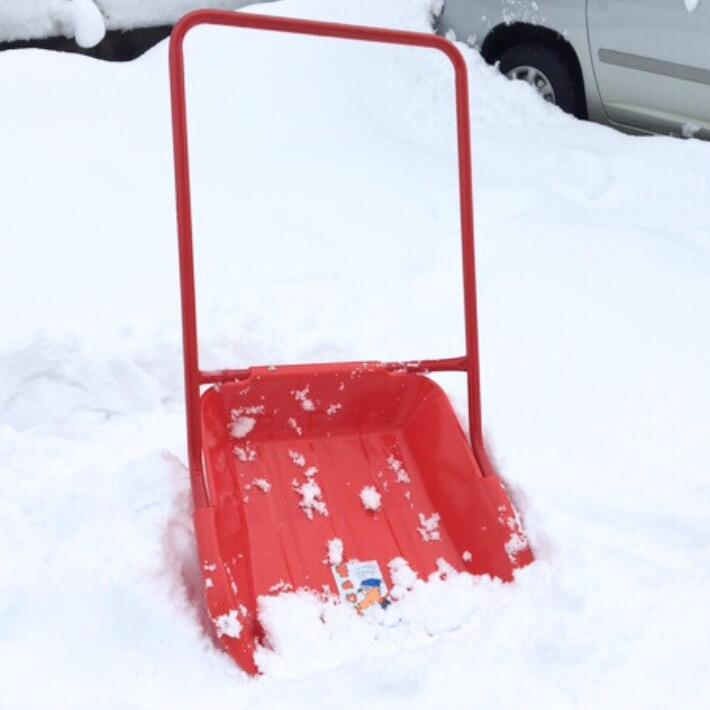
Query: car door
(652,62)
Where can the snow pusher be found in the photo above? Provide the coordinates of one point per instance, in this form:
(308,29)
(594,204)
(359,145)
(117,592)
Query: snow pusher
(326,476)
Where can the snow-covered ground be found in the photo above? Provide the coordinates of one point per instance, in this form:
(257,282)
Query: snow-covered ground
(326,229)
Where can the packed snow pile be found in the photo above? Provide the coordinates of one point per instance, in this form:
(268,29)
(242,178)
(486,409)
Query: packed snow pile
(88,20)
(326,229)
(403,577)
(80,19)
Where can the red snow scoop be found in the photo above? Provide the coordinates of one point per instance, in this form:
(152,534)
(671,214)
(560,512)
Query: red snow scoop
(285,459)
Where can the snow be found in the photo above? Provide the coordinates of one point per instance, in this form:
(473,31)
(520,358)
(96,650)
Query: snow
(241,426)
(87,20)
(80,19)
(516,543)
(429,529)
(280,586)
(397,467)
(229,625)
(689,130)
(305,401)
(403,577)
(262,484)
(594,287)
(311,498)
(245,454)
(335,551)
(248,409)
(298,458)
(370,498)
(691,5)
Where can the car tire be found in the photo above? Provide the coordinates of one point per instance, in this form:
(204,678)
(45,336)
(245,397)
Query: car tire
(549,66)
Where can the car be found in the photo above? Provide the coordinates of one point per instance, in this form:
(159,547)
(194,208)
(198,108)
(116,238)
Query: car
(640,65)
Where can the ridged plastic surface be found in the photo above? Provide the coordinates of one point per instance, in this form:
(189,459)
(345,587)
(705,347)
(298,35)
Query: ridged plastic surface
(343,428)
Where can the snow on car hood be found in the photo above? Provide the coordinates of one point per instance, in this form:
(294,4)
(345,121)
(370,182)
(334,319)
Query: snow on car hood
(88,20)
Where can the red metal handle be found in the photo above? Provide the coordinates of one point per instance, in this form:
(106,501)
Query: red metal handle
(194,377)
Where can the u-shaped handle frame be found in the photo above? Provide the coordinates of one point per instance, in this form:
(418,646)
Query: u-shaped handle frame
(194,376)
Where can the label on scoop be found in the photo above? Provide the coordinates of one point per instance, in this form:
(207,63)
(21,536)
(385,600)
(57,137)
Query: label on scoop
(361,583)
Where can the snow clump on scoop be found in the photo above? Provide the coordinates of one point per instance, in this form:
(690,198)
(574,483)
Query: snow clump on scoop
(403,577)
(311,498)
(371,499)
(335,551)
(241,426)
(228,625)
(429,529)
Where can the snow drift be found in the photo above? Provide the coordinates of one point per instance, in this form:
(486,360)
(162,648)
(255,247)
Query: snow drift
(593,260)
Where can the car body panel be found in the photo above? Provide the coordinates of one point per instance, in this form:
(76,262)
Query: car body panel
(652,63)
(651,73)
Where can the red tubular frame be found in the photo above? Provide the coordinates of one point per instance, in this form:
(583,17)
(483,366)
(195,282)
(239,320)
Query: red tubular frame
(194,376)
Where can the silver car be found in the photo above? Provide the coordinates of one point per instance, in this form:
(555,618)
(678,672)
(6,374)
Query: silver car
(641,65)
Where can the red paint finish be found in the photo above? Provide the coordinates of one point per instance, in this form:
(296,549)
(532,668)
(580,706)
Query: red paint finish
(355,423)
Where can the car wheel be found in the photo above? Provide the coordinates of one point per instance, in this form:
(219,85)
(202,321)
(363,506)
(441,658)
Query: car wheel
(546,71)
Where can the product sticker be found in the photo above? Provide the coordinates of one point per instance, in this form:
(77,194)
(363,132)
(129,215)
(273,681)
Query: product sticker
(361,584)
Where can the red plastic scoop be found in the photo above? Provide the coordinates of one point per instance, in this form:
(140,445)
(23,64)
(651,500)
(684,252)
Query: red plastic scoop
(320,476)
